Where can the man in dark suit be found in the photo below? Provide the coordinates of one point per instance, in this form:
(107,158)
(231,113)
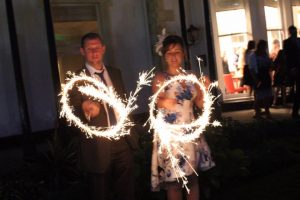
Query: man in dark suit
(291,48)
(108,164)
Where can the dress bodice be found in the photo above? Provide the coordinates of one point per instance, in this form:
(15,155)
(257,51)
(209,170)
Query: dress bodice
(184,92)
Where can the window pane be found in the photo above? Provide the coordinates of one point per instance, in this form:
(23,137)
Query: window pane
(274,35)
(232,48)
(232,32)
(273,22)
(273,19)
(232,52)
(296,16)
(225,21)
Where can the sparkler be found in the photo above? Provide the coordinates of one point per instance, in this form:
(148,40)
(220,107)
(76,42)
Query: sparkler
(199,64)
(172,135)
(100,92)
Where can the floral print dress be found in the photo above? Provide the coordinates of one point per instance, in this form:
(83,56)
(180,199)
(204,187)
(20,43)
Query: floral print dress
(161,168)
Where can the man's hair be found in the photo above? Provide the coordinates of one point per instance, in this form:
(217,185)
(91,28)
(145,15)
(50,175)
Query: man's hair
(293,30)
(90,36)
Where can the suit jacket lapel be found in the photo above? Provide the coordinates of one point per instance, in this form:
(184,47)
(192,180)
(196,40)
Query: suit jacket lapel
(115,77)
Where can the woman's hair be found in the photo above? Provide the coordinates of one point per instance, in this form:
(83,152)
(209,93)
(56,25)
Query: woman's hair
(172,40)
(250,45)
(261,49)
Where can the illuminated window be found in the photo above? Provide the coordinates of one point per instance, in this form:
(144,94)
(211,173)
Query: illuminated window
(239,25)
(273,21)
(296,13)
(233,37)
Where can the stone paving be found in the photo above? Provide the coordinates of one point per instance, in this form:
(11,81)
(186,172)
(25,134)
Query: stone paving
(246,116)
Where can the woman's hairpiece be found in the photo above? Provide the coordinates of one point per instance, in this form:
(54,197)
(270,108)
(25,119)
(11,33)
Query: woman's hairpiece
(159,43)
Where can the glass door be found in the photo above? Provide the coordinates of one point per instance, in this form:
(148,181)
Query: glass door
(231,40)
(71,22)
(273,22)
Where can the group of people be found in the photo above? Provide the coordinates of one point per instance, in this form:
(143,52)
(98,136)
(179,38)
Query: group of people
(268,74)
(108,164)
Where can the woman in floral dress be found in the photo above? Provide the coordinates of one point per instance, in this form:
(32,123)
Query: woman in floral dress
(176,103)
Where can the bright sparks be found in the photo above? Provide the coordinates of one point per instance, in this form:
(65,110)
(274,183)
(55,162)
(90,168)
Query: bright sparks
(98,91)
(171,135)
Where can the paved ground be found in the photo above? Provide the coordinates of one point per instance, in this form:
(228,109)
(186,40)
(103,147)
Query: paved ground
(246,116)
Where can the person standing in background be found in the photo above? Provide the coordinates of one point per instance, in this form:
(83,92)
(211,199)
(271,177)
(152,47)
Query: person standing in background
(261,69)
(247,77)
(279,76)
(291,48)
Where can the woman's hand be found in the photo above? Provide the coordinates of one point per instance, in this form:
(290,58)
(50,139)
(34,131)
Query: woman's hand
(199,98)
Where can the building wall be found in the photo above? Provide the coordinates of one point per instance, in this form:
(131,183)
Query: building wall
(9,116)
(130,44)
(35,64)
(194,10)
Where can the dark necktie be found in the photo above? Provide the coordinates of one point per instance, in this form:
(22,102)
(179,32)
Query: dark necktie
(111,113)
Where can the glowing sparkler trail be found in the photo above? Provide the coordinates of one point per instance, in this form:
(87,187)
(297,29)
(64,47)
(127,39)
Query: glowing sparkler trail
(199,64)
(172,135)
(198,125)
(100,92)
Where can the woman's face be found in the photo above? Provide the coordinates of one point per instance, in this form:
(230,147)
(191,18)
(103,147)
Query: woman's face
(276,46)
(174,56)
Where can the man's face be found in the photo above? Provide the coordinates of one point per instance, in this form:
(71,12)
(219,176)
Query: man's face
(93,52)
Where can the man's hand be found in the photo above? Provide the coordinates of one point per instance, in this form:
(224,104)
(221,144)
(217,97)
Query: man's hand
(91,109)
